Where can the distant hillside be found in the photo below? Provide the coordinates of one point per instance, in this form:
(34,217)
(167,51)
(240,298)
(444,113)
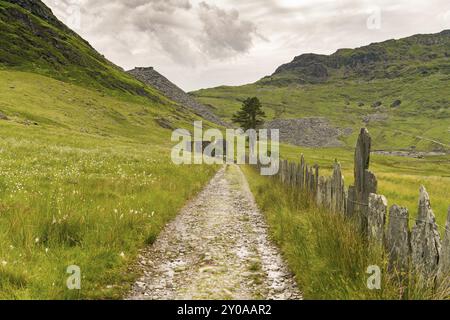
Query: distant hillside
(153,78)
(416,55)
(400,89)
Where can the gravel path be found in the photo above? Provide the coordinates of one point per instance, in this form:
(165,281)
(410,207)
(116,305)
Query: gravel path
(217,248)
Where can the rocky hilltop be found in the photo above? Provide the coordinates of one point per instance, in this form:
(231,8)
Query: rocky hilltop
(153,78)
(32,39)
(416,55)
(39,9)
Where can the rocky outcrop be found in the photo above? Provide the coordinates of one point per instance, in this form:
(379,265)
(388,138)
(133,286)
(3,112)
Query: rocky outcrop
(39,9)
(311,67)
(308,132)
(388,59)
(154,79)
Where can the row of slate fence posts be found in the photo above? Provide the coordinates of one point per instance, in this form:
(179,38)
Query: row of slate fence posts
(420,250)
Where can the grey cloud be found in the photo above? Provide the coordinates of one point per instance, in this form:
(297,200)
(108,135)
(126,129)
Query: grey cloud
(188,34)
(159,5)
(179,49)
(225,33)
(168,6)
(190,40)
(153,23)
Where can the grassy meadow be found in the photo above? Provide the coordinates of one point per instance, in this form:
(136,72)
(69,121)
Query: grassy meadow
(399,178)
(86,179)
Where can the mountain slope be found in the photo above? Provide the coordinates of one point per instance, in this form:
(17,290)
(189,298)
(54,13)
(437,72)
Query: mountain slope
(153,78)
(33,39)
(399,89)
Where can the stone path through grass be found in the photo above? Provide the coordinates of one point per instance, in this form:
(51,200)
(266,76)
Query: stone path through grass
(217,248)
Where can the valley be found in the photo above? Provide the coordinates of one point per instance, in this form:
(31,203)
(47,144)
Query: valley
(87,179)
(397,89)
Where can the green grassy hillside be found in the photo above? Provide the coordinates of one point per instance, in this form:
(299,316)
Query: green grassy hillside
(85,172)
(32,39)
(86,179)
(407,82)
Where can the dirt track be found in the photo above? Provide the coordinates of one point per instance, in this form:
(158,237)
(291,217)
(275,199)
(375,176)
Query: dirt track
(217,248)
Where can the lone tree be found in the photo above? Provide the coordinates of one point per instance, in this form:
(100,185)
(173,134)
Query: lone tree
(251,115)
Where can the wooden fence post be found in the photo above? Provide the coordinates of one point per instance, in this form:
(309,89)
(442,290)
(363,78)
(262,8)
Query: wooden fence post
(398,238)
(425,239)
(444,260)
(376,217)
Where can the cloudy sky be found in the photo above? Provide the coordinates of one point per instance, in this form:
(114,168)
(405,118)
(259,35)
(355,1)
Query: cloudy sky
(206,43)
